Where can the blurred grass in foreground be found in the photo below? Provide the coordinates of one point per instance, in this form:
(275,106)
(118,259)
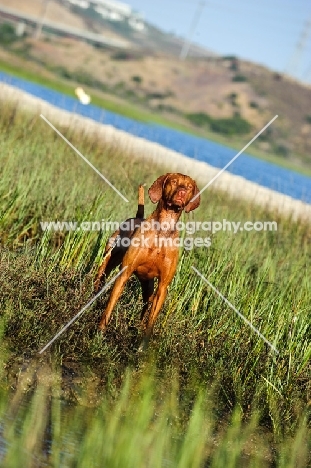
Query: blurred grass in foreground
(148,423)
(209,392)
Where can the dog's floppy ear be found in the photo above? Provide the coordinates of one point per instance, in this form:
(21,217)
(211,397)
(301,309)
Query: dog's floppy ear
(156,189)
(192,205)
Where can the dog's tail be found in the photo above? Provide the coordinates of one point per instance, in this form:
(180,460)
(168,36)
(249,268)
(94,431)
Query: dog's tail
(141,202)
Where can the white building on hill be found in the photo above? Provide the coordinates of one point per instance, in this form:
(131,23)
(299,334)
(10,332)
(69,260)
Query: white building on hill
(113,10)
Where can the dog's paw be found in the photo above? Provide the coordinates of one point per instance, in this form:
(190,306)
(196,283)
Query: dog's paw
(143,345)
(102,328)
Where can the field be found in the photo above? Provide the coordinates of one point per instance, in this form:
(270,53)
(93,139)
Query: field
(208,392)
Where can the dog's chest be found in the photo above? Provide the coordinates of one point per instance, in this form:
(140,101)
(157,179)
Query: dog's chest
(156,263)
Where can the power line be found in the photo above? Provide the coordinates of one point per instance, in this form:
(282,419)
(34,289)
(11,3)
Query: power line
(40,23)
(300,47)
(195,21)
(307,74)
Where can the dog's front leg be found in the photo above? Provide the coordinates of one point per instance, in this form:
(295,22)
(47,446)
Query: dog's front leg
(158,301)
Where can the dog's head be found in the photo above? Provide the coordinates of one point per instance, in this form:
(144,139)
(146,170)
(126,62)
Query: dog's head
(176,190)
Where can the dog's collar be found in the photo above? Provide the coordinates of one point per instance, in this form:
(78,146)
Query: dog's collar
(175,208)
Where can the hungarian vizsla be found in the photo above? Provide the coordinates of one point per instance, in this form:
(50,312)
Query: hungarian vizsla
(153,249)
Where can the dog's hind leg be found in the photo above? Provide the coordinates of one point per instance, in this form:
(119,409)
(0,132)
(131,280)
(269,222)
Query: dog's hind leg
(109,262)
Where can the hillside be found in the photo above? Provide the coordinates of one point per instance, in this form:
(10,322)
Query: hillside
(62,12)
(221,96)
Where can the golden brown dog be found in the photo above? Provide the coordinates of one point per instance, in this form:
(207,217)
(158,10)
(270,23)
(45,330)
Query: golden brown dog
(153,250)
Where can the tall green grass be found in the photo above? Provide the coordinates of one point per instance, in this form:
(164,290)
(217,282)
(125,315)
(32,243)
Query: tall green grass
(147,423)
(235,400)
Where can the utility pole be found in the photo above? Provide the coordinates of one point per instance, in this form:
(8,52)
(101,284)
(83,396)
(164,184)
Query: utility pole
(307,74)
(195,21)
(41,19)
(301,45)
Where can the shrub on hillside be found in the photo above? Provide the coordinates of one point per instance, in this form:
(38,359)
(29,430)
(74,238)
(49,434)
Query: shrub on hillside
(199,118)
(231,126)
(282,150)
(267,135)
(126,55)
(239,78)
(137,79)
(254,105)
(233,99)
(62,72)
(159,95)
(168,108)
(7,34)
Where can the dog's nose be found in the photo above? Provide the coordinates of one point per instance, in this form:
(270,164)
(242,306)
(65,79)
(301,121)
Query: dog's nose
(181,192)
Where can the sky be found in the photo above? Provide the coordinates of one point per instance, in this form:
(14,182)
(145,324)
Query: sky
(274,33)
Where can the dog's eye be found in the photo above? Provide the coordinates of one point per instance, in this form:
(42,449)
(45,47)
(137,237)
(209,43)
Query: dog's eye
(174,182)
(190,186)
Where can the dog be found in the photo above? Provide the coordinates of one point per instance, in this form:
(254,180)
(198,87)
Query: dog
(149,251)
